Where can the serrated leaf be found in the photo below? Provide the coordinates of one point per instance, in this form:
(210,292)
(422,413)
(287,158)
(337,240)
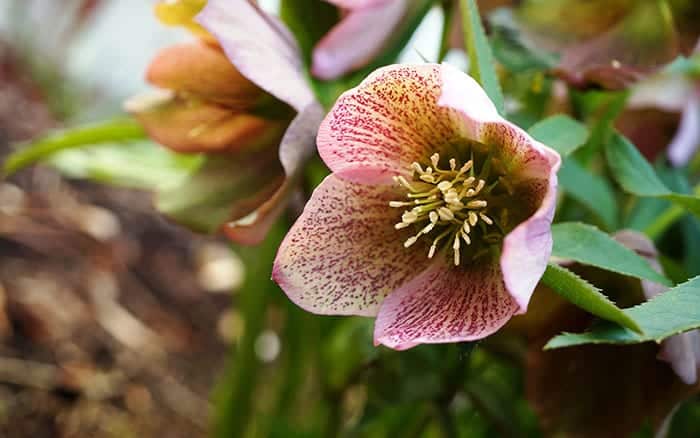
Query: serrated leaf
(590,190)
(81,136)
(586,296)
(561,133)
(668,314)
(481,62)
(588,245)
(636,176)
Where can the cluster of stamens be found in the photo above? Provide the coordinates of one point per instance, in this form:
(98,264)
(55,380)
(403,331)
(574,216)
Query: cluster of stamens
(446,201)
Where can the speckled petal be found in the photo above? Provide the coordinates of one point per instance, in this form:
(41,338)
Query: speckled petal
(358,38)
(204,71)
(445,304)
(391,119)
(343,255)
(296,146)
(260,47)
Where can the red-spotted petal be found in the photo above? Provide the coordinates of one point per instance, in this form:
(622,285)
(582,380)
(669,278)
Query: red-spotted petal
(391,119)
(343,255)
(260,47)
(445,304)
(358,38)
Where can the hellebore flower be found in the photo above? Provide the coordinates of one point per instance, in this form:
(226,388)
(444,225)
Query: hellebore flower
(240,96)
(436,218)
(359,36)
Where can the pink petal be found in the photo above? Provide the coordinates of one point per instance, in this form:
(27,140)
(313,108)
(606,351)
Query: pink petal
(260,47)
(357,39)
(296,147)
(687,138)
(445,304)
(391,119)
(343,255)
(532,166)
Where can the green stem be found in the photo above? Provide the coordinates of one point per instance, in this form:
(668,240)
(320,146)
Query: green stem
(448,9)
(234,395)
(667,218)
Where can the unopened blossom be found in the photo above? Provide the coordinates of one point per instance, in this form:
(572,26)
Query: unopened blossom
(436,218)
(681,351)
(360,35)
(239,95)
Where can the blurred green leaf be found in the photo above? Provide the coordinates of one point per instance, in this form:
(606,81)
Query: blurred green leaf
(223,188)
(561,133)
(138,165)
(637,177)
(481,62)
(670,313)
(586,244)
(107,132)
(591,190)
(586,296)
(309,21)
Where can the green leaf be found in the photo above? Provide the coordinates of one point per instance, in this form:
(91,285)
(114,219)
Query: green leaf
(668,314)
(586,244)
(309,21)
(105,132)
(139,165)
(561,133)
(586,296)
(481,62)
(223,188)
(636,176)
(594,192)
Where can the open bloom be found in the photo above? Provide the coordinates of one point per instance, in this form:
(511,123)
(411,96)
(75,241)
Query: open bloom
(359,36)
(436,218)
(238,94)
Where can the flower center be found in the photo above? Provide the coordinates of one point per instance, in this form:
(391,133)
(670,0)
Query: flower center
(449,206)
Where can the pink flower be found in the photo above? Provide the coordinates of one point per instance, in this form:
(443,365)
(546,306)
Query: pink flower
(359,36)
(240,95)
(436,218)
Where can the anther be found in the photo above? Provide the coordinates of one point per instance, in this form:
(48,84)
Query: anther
(445,214)
(409,217)
(435,159)
(485,218)
(477,204)
(444,186)
(410,241)
(473,218)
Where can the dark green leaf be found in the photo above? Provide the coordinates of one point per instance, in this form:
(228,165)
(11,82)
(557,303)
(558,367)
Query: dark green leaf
(670,313)
(588,245)
(586,296)
(106,132)
(561,133)
(481,62)
(590,190)
(637,177)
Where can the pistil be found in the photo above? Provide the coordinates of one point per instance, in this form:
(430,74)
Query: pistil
(447,202)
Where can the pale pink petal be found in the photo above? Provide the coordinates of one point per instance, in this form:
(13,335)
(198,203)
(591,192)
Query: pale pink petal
(391,119)
(527,248)
(687,139)
(343,255)
(531,166)
(445,304)
(296,147)
(260,48)
(357,39)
